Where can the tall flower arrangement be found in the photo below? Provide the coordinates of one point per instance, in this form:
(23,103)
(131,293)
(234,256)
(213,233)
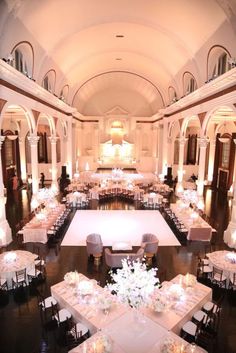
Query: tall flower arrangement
(134,283)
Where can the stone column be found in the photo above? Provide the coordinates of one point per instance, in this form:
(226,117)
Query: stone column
(230,232)
(69,149)
(96,143)
(33,141)
(53,140)
(154,148)
(22,159)
(203,142)
(211,160)
(179,186)
(160,148)
(165,149)
(5,230)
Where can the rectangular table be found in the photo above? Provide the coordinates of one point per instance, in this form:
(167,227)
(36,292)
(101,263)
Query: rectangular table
(88,313)
(197,229)
(182,311)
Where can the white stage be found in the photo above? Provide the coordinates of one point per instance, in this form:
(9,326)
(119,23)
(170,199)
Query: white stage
(118,225)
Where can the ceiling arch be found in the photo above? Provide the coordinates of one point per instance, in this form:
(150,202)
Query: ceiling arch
(158,38)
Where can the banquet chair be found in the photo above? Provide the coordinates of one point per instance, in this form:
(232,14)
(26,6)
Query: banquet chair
(213,307)
(36,273)
(19,279)
(114,260)
(3,284)
(191,330)
(61,316)
(76,333)
(232,281)
(218,277)
(46,305)
(94,246)
(150,245)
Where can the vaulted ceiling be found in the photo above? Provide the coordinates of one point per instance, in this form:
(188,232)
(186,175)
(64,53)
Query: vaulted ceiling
(142,44)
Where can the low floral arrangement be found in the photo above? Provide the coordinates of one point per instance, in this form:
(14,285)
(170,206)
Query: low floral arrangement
(176,291)
(85,287)
(159,302)
(134,283)
(72,278)
(171,346)
(231,257)
(104,303)
(102,344)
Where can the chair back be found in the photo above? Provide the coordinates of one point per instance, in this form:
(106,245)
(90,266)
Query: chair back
(200,233)
(94,244)
(21,276)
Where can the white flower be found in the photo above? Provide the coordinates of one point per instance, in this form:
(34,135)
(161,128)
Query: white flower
(102,344)
(134,283)
(159,302)
(72,278)
(170,346)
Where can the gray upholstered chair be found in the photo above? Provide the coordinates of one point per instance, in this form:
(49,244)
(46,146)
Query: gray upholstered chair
(94,245)
(114,260)
(150,245)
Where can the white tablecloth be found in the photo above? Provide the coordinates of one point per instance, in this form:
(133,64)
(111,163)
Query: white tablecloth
(197,229)
(24,259)
(181,311)
(36,231)
(87,312)
(218,259)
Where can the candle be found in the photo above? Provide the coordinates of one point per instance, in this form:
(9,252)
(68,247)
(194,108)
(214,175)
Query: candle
(94,347)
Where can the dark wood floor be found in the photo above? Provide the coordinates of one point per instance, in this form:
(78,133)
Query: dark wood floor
(21,330)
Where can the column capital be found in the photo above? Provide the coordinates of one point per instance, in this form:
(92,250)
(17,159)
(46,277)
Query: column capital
(182,140)
(33,140)
(2,139)
(203,141)
(53,139)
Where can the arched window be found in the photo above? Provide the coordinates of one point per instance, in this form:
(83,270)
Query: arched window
(23,58)
(189,83)
(49,81)
(172,95)
(64,93)
(218,62)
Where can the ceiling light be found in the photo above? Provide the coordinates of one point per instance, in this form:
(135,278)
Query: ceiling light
(118,59)
(119,36)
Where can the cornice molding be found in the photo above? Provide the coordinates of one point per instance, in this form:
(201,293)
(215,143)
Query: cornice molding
(18,82)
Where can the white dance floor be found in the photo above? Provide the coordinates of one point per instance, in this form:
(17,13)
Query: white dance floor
(118,225)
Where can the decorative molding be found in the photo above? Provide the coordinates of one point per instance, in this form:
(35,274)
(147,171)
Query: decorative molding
(53,139)
(218,87)
(33,140)
(16,81)
(117,110)
(203,141)
(2,139)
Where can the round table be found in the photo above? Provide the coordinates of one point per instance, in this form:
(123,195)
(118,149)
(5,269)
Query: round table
(219,260)
(23,259)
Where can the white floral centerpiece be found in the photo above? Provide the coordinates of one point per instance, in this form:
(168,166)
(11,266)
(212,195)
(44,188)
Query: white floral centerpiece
(72,278)
(85,287)
(159,302)
(105,303)
(101,344)
(171,346)
(176,291)
(231,257)
(134,283)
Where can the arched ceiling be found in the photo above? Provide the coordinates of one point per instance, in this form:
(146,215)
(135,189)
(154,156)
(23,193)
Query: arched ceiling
(159,37)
